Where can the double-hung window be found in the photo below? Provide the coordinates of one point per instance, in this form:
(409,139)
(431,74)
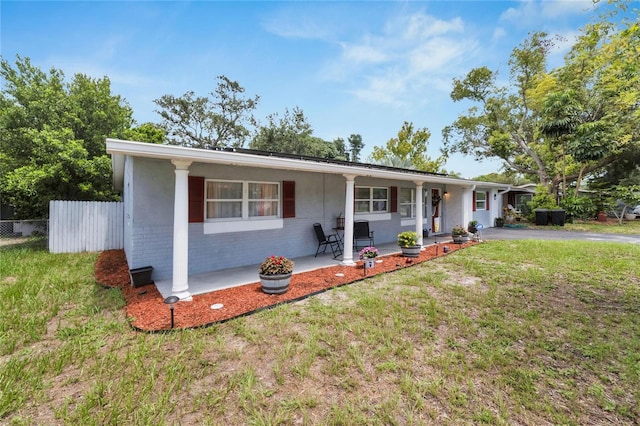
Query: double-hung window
(241,200)
(481,200)
(407,203)
(371,199)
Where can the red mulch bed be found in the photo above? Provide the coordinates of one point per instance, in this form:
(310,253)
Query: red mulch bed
(147,311)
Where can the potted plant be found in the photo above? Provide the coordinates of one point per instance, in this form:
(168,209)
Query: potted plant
(499,222)
(459,234)
(408,242)
(275,274)
(368,256)
(472,226)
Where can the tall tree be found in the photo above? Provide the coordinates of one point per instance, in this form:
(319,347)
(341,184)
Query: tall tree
(356,144)
(287,134)
(408,150)
(52,137)
(146,132)
(502,124)
(292,134)
(562,125)
(220,120)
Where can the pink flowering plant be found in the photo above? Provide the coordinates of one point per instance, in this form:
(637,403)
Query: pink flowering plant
(276,265)
(369,253)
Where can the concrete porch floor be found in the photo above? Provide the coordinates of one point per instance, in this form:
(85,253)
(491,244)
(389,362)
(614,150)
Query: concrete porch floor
(233,277)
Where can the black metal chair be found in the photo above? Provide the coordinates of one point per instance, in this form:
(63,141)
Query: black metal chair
(361,233)
(330,240)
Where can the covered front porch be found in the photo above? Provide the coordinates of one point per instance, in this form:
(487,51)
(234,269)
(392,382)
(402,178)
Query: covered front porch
(233,277)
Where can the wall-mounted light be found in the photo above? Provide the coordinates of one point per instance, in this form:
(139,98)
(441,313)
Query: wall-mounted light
(445,193)
(495,196)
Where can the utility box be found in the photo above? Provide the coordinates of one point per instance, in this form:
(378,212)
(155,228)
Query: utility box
(141,276)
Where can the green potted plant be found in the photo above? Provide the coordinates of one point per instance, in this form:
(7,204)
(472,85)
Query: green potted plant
(459,234)
(499,222)
(472,226)
(368,256)
(408,242)
(275,274)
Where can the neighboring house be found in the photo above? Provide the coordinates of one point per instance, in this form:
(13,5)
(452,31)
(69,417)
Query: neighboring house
(190,211)
(519,196)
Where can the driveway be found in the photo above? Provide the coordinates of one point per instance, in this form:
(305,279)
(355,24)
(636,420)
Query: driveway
(540,234)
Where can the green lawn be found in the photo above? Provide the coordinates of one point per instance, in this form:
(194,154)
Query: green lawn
(627,227)
(504,332)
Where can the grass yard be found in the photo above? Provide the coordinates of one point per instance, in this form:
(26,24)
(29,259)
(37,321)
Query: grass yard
(504,332)
(610,227)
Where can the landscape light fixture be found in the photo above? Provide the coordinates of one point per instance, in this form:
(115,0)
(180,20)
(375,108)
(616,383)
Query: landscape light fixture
(171,301)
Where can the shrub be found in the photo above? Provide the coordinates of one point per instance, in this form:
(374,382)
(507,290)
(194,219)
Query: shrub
(541,200)
(458,230)
(579,207)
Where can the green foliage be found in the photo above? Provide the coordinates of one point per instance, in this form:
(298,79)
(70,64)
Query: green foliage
(356,144)
(579,207)
(559,126)
(217,120)
(292,134)
(146,132)
(459,230)
(407,239)
(508,177)
(408,150)
(542,199)
(620,198)
(52,134)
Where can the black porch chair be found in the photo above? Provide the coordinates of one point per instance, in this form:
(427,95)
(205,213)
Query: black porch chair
(330,240)
(361,233)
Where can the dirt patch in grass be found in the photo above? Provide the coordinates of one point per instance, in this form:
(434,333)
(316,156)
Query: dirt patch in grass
(147,311)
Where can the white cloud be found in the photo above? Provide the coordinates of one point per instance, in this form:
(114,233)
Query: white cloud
(421,27)
(533,11)
(362,54)
(306,23)
(409,55)
(555,9)
(436,55)
(498,33)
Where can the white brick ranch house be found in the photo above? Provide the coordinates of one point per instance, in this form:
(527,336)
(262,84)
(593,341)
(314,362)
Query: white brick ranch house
(190,211)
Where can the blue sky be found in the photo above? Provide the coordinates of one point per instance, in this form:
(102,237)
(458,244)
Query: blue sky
(352,67)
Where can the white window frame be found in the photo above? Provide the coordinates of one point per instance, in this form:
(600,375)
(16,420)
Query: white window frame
(481,204)
(411,204)
(245,201)
(371,200)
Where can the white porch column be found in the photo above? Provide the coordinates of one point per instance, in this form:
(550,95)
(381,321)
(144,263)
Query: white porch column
(347,255)
(419,224)
(180,286)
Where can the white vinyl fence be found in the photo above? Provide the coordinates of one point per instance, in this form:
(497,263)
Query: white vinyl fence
(77,226)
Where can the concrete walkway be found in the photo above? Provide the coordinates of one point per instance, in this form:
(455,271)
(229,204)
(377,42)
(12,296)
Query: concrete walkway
(218,280)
